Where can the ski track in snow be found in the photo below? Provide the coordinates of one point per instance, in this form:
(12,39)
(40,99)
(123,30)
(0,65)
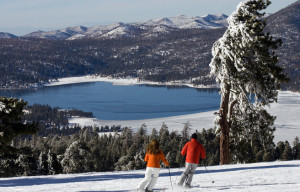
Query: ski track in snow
(271,176)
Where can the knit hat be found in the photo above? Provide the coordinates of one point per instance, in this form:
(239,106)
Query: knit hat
(194,136)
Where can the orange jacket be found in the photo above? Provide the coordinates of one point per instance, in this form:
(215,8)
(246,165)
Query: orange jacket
(153,160)
(193,151)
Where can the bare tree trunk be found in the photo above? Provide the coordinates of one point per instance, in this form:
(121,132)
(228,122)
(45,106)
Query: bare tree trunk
(225,128)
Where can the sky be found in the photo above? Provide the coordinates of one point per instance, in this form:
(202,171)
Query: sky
(21,17)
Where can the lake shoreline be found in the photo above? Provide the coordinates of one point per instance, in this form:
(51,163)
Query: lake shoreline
(287,123)
(121,81)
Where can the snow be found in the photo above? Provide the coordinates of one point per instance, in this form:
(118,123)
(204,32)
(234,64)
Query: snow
(115,81)
(90,78)
(119,28)
(4,109)
(184,22)
(287,111)
(2,106)
(272,176)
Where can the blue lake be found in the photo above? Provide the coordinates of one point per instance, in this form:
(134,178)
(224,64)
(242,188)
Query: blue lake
(117,102)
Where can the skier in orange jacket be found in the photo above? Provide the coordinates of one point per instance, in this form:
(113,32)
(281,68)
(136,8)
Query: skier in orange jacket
(153,157)
(193,151)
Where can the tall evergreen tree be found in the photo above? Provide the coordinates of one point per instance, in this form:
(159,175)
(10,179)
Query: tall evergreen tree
(11,124)
(244,64)
(27,162)
(186,130)
(296,148)
(269,155)
(279,150)
(287,152)
(163,136)
(53,165)
(154,134)
(43,165)
(76,158)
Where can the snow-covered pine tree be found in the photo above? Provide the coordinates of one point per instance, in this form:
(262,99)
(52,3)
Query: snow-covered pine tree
(186,130)
(244,64)
(76,158)
(154,134)
(163,136)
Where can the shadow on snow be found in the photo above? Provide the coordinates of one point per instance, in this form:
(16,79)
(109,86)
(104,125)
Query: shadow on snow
(57,180)
(90,178)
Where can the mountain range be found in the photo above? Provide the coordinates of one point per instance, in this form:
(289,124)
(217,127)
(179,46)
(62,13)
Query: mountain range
(7,35)
(147,28)
(285,24)
(167,49)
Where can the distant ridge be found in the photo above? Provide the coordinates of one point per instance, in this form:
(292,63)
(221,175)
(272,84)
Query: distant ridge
(147,28)
(160,50)
(285,24)
(7,36)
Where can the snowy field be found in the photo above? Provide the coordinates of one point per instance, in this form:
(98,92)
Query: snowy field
(287,111)
(259,177)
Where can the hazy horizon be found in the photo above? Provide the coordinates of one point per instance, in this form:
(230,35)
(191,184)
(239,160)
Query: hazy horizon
(22,17)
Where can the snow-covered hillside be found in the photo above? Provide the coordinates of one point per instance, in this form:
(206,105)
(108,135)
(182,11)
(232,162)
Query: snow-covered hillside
(259,177)
(147,28)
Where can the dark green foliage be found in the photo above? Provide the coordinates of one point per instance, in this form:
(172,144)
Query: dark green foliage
(269,155)
(86,151)
(43,164)
(11,124)
(296,148)
(54,165)
(53,120)
(211,142)
(27,162)
(279,149)
(287,152)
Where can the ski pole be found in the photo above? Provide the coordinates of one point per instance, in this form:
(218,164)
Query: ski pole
(208,174)
(170,178)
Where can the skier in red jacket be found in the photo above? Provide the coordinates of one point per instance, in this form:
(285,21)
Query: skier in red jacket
(193,151)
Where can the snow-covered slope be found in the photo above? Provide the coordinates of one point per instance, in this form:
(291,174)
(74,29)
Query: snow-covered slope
(58,34)
(273,176)
(163,25)
(184,22)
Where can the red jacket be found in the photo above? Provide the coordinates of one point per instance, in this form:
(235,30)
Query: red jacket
(193,151)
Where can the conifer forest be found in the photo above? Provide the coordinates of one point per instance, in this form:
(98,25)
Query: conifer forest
(99,149)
